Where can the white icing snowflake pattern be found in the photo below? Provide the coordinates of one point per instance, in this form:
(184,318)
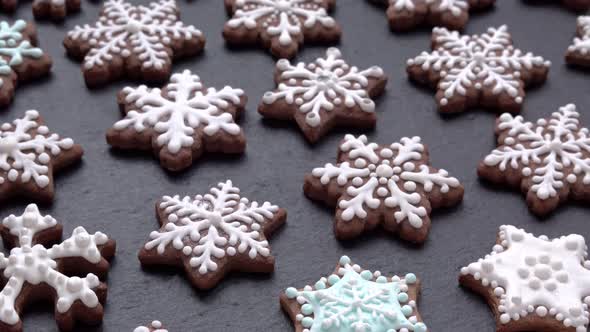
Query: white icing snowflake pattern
(325,84)
(537,276)
(467,64)
(210,227)
(550,154)
(396,176)
(155,326)
(581,43)
(26,150)
(34,264)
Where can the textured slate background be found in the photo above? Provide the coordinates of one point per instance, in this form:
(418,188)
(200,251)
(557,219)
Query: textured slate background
(115,192)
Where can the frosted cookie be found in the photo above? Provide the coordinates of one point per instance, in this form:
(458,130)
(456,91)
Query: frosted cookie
(155,326)
(180,121)
(404,15)
(548,160)
(29,155)
(324,94)
(212,235)
(533,283)
(578,54)
(280,25)
(42,9)
(389,185)
(133,42)
(352,299)
(67,274)
(477,71)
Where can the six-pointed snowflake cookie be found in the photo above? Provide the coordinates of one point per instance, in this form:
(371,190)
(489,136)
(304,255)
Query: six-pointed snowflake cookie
(404,15)
(29,155)
(391,185)
(213,234)
(35,273)
(549,160)
(134,42)
(323,94)
(180,121)
(20,59)
(534,283)
(578,53)
(479,70)
(42,9)
(352,299)
(154,326)
(280,25)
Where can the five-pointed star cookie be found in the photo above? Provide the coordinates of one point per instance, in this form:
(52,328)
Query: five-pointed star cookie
(352,299)
(479,70)
(534,283)
(453,14)
(549,160)
(29,155)
(52,9)
(180,121)
(280,25)
(389,185)
(324,94)
(214,234)
(135,42)
(578,53)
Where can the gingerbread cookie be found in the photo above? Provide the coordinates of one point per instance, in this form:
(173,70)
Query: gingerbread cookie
(477,71)
(155,326)
(29,155)
(134,42)
(34,273)
(280,25)
(578,54)
(323,94)
(534,283)
(20,59)
(392,185)
(404,15)
(549,160)
(213,234)
(42,9)
(180,121)
(353,299)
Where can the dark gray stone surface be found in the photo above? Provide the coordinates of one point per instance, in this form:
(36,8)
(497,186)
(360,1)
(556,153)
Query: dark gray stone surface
(115,192)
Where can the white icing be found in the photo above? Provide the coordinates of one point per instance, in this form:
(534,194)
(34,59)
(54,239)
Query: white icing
(467,63)
(34,264)
(146,32)
(185,107)
(548,152)
(454,7)
(207,228)
(155,326)
(24,155)
(385,175)
(581,43)
(535,275)
(323,85)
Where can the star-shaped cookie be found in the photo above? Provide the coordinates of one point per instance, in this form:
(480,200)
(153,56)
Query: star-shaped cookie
(578,54)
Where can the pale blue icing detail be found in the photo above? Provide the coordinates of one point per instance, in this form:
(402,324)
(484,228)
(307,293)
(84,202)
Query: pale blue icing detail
(403,297)
(344,260)
(14,47)
(411,278)
(291,292)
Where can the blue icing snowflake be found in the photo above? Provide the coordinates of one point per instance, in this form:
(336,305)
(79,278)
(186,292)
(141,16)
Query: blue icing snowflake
(14,47)
(355,300)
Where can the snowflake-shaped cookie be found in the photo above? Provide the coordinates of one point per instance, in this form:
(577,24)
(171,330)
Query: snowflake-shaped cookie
(530,279)
(53,9)
(480,70)
(352,300)
(323,94)
(549,160)
(579,52)
(393,185)
(34,273)
(137,42)
(213,234)
(180,121)
(20,59)
(154,326)
(453,14)
(29,154)
(280,25)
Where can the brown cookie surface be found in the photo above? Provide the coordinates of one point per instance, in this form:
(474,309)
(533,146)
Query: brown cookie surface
(578,54)
(154,326)
(477,71)
(393,186)
(533,283)
(324,94)
(68,273)
(42,9)
(280,25)
(212,235)
(133,42)
(354,299)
